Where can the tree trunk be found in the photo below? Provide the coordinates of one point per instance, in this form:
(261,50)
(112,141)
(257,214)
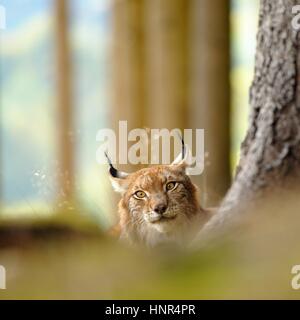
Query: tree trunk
(210,89)
(163,52)
(129,67)
(270,153)
(168,63)
(65,123)
(128,63)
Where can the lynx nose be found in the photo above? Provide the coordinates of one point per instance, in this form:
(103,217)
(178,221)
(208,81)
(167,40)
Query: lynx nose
(160,208)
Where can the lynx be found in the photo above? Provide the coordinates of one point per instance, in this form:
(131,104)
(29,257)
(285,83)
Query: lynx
(158,204)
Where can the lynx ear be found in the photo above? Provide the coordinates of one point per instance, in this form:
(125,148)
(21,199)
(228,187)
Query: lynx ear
(120,185)
(117,178)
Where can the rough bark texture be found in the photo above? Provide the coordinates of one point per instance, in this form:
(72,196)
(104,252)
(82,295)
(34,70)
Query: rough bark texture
(270,153)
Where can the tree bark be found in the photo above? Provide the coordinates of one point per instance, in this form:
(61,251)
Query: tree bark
(270,153)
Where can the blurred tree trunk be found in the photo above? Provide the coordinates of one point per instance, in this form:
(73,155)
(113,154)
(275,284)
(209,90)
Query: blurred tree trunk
(129,62)
(128,53)
(1,166)
(151,63)
(167,33)
(168,65)
(128,73)
(171,70)
(210,93)
(270,153)
(65,123)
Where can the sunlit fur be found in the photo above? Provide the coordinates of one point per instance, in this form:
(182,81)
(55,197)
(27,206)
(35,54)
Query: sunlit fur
(140,224)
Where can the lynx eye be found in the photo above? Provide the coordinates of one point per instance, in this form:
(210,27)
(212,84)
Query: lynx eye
(171,185)
(140,194)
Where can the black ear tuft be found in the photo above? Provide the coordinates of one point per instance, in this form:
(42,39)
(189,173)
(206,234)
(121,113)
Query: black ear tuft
(183,147)
(112,170)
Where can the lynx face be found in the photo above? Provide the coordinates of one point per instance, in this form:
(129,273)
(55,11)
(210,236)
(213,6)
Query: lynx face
(158,205)
(160,198)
